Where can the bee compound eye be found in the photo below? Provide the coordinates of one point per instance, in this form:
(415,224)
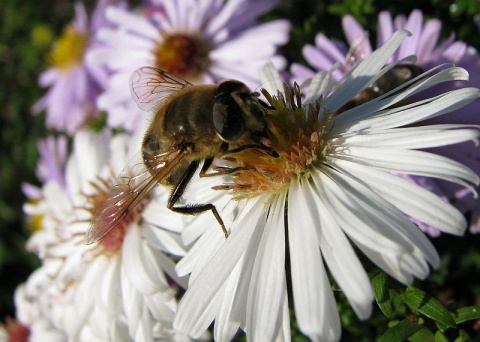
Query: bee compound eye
(229,124)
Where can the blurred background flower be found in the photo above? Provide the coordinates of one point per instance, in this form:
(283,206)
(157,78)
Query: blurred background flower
(73,82)
(121,286)
(201,41)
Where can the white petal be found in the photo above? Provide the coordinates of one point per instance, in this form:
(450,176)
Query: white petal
(407,234)
(360,117)
(409,162)
(412,199)
(141,264)
(378,217)
(400,264)
(361,76)
(227,322)
(268,287)
(361,221)
(315,307)
(341,259)
(201,252)
(408,114)
(321,83)
(195,312)
(270,78)
(285,335)
(414,137)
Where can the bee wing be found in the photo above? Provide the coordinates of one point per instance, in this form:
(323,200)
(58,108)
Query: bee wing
(133,183)
(150,85)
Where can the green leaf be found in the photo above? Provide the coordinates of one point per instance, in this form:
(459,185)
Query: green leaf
(467,314)
(440,337)
(423,335)
(382,294)
(400,332)
(422,302)
(464,337)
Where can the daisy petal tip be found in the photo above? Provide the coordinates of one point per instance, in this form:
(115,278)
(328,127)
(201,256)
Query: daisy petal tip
(402,32)
(270,78)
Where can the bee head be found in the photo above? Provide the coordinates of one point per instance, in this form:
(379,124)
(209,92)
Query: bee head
(236,111)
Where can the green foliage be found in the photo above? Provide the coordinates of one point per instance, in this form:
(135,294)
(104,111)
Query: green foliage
(382,293)
(400,331)
(468,313)
(425,318)
(425,304)
(21,60)
(360,9)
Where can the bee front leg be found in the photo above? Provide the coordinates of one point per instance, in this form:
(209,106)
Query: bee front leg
(218,171)
(192,209)
(258,147)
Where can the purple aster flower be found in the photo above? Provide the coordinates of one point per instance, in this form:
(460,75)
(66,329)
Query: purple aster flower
(74,83)
(201,41)
(51,166)
(429,53)
(53,159)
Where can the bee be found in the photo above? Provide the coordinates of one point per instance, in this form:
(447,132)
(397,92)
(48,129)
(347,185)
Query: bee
(393,78)
(191,124)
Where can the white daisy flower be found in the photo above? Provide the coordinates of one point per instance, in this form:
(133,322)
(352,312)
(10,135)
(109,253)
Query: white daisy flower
(122,287)
(34,310)
(203,41)
(333,186)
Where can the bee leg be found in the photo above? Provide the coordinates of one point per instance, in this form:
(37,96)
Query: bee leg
(259,147)
(191,209)
(218,170)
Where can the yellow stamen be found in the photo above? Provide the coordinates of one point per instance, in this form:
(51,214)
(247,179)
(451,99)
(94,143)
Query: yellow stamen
(35,221)
(68,50)
(295,133)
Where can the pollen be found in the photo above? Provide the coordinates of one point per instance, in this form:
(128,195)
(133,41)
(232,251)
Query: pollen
(296,133)
(182,55)
(68,50)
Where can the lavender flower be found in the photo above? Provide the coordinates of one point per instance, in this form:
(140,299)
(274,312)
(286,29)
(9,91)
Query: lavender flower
(201,41)
(73,82)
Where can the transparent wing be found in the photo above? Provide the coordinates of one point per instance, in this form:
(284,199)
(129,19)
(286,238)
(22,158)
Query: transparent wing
(133,183)
(150,85)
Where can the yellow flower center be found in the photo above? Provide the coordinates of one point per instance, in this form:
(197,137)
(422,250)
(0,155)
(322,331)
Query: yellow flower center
(35,222)
(182,55)
(296,134)
(68,50)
